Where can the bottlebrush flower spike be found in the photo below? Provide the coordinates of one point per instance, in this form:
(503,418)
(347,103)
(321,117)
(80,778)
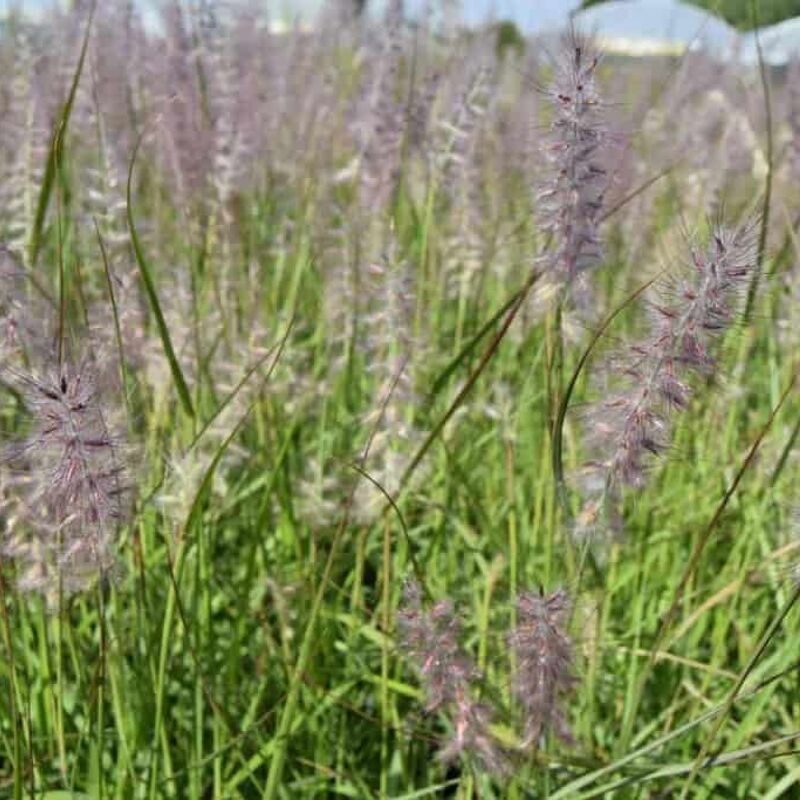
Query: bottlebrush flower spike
(217,47)
(394,356)
(457,162)
(471,734)
(452,153)
(383,134)
(184,142)
(71,479)
(22,310)
(694,308)
(430,638)
(793,83)
(24,149)
(571,200)
(544,671)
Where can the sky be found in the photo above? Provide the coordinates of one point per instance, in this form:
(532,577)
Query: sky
(530,15)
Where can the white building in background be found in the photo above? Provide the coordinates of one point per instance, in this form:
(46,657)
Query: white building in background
(780,44)
(658,27)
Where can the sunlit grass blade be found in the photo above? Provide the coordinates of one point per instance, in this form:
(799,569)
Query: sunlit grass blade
(572,788)
(693,561)
(280,741)
(152,296)
(56,150)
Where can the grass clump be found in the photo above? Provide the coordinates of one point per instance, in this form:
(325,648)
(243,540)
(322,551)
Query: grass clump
(325,477)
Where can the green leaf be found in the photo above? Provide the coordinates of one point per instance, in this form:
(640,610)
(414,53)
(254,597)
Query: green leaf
(60,794)
(466,351)
(152,296)
(56,151)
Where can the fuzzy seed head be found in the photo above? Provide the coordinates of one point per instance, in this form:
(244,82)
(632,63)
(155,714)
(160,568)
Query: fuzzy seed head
(430,639)
(544,656)
(571,199)
(71,480)
(694,307)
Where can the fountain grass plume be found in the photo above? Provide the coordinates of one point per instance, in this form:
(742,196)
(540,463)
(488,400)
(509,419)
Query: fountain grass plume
(430,638)
(544,664)
(71,480)
(695,306)
(571,198)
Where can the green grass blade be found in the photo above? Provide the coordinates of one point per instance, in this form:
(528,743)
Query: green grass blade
(54,156)
(570,790)
(152,296)
(448,371)
(763,643)
(694,559)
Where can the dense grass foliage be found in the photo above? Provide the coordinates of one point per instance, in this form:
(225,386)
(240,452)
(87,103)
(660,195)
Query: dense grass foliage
(389,415)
